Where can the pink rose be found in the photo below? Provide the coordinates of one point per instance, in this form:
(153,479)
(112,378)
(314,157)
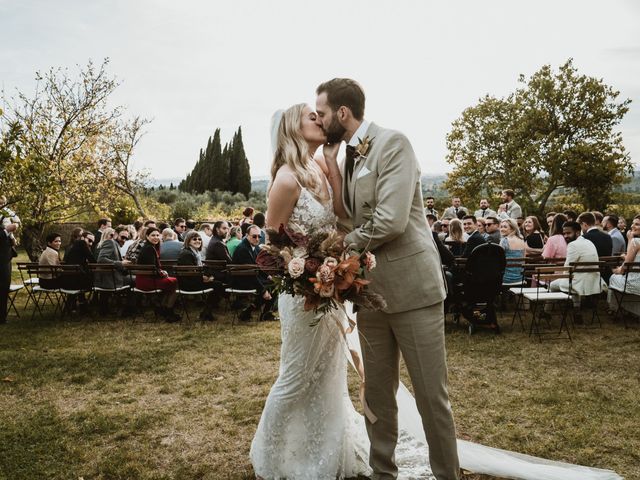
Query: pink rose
(296,267)
(330,262)
(325,274)
(311,265)
(326,291)
(369,261)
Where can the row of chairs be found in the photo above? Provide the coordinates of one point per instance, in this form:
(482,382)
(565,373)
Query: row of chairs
(39,297)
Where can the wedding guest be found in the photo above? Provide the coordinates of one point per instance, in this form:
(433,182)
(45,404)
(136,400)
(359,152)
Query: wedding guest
(533,236)
(428,209)
(6,254)
(492,228)
(601,240)
(103,224)
(51,256)
(508,208)
(190,255)
(444,228)
(258,221)
(514,247)
(456,239)
(135,247)
(205,234)
(81,253)
(189,226)
(556,246)
(76,234)
(150,255)
(235,237)
(170,246)
(549,217)
(431,219)
(109,252)
(484,210)
(481,223)
(571,215)
(245,255)
(610,225)
(247,216)
(456,209)
(474,237)
(619,281)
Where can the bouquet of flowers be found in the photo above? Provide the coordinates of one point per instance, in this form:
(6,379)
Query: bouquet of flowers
(319,267)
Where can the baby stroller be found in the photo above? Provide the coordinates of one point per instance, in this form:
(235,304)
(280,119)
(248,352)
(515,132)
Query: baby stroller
(478,285)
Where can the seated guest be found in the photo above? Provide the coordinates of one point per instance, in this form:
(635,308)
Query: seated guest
(444,228)
(601,240)
(247,216)
(571,215)
(179,227)
(484,210)
(217,250)
(475,238)
(622,226)
(245,254)
(556,246)
(599,218)
(431,219)
(150,255)
(235,237)
(533,236)
(81,253)
(549,218)
(579,249)
(618,282)
(76,234)
(103,224)
(258,221)
(51,256)
(514,247)
(205,234)
(136,246)
(109,252)
(190,255)
(456,239)
(482,227)
(610,225)
(170,246)
(492,229)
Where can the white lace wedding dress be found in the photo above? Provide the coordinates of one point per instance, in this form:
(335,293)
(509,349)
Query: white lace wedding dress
(309,428)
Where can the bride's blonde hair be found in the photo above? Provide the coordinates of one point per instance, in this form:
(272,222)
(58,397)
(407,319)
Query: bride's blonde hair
(292,150)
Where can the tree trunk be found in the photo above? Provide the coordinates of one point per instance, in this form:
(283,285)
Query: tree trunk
(30,239)
(138,204)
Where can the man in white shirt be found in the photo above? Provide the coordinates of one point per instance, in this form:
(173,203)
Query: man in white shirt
(205,233)
(484,211)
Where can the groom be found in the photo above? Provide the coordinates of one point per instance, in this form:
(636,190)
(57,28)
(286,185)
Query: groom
(383,198)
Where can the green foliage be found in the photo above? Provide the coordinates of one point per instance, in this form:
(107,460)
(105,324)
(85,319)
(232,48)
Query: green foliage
(220,169)
(557,130)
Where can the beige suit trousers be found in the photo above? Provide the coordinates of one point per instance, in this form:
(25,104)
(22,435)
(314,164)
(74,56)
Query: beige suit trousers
(419,336)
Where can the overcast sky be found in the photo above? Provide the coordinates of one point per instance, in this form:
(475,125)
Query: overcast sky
(193,66)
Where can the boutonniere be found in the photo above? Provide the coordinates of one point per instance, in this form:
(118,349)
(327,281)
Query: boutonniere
(362,149)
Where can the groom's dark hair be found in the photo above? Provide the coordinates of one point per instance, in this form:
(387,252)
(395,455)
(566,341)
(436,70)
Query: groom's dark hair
(344,92)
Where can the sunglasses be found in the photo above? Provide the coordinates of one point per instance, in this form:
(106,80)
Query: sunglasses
(255,236)
(123,238)
(196,239)
(90,242)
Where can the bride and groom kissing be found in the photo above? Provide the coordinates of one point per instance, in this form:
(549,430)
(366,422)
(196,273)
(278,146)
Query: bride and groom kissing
(309,428)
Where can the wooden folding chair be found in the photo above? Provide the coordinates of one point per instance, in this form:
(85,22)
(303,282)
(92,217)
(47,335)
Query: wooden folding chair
(105,274)
(69,271)
(585,268)
(185,272)
(235,271)
(544,276)
(149,271)
(51,295)
(528,272)
(28,281)
(11,298)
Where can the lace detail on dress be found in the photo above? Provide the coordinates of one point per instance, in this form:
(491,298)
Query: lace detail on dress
(310,213)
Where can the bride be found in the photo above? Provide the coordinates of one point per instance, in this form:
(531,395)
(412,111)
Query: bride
(309,428)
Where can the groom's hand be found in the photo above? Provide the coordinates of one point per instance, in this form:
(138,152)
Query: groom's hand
(330,151)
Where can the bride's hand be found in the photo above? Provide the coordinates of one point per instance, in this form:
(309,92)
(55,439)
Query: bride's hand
(330,152)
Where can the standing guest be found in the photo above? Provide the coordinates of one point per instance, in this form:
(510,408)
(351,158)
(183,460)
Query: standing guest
(51,256)
(610,225)
(247,216)
(6,254)
(150,255)
(484,210)
(428,209)
(509,208)
(475,238)
(245,254)
(532,236)
(81,253)
(456,239)
(492,228)
(514,247)
(170,246)
(190,255)
(456,209)
(205,234)
(258,221)
(556,246)
(179,226)
(235,237)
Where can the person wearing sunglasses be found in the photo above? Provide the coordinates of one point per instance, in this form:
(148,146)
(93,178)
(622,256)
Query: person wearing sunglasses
(492,230)
(190,256)
(245,254)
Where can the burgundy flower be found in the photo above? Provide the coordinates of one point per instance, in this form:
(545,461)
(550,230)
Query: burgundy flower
(311,265)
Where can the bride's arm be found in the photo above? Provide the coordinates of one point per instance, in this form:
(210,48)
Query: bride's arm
(329,164)
(282,199)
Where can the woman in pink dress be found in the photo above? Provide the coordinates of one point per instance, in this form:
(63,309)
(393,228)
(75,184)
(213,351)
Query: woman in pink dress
(556,246)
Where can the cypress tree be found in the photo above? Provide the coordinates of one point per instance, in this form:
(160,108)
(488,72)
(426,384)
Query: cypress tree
(240,172)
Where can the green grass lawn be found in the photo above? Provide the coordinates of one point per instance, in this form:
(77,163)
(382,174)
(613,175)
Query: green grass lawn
(109,398)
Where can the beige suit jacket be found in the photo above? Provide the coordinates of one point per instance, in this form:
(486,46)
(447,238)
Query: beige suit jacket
(386,209)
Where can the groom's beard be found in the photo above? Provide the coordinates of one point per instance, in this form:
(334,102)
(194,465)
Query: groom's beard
(335,131)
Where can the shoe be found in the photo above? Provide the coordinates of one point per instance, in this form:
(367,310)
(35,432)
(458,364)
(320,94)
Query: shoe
(206,316)
(170,316)
(268,317)
(245,315)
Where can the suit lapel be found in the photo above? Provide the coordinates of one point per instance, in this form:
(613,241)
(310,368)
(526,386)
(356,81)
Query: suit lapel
(371,132)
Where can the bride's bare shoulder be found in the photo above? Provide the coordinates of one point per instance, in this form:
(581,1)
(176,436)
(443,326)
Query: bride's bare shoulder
(285,181)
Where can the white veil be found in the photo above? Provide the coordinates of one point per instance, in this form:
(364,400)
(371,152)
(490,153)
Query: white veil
(478,458)
(276,120)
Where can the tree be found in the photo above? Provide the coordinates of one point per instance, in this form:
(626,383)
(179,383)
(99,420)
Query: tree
(558,130)
(66,140)
(239,172)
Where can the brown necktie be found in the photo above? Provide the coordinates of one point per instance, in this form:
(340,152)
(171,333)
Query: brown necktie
(350,161)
